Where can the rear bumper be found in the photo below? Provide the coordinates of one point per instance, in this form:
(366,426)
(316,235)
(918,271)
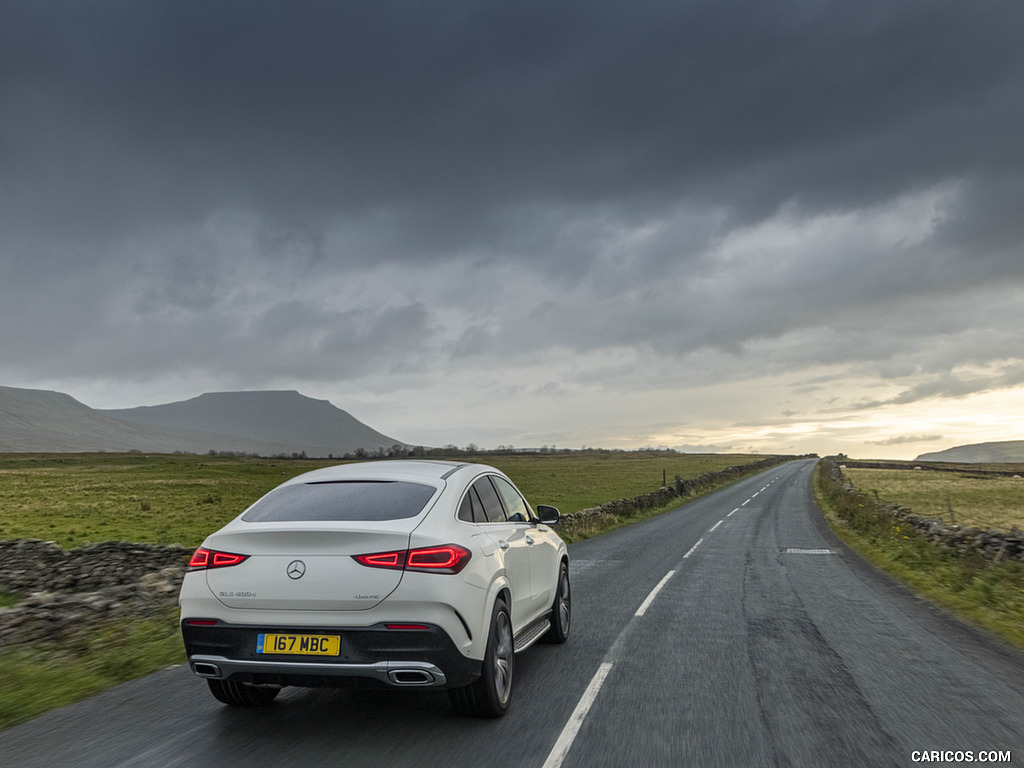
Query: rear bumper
(398,673)
(375,655)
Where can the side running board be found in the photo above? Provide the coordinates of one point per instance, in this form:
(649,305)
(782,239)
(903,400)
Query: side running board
(531,634)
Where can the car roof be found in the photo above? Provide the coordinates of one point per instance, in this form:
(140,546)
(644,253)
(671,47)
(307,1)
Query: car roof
(410,470)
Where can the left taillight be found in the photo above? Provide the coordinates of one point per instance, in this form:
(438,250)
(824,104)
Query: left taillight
(204,559)
(448,558)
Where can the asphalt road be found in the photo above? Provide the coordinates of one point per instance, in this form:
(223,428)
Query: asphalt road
(735,631)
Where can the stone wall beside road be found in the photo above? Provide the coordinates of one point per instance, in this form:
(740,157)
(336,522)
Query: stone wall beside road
(68,592)
(997,546)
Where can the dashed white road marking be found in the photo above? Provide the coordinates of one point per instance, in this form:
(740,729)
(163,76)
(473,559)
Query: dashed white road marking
(654,593)
(575,722)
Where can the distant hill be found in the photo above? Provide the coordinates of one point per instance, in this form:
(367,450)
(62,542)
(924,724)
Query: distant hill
(268,422)
(34,420)
(263,423)
(1007,452)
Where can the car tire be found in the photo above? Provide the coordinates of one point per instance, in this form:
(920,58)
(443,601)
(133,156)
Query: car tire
(561,609)
(489,696)
(242,694)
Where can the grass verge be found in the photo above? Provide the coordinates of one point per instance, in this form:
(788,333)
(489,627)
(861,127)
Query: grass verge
(988,595)
(36,679)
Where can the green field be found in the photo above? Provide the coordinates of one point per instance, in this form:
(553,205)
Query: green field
(970,497)
(76,499)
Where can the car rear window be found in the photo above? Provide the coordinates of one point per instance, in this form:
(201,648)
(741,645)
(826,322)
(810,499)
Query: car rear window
(342,501)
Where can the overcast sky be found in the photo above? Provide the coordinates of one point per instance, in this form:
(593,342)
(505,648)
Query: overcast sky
(783,227)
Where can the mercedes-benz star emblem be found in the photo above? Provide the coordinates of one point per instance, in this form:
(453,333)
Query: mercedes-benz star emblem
(296,569)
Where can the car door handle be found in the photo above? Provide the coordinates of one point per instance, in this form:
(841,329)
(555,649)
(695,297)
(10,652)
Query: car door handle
(503,544)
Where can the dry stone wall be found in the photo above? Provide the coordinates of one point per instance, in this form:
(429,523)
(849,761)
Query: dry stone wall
(925,466)
(69,592)
(994,545)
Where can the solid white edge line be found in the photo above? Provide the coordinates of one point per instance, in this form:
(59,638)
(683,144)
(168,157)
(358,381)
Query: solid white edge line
(654,593)
(694,547)
(572,727)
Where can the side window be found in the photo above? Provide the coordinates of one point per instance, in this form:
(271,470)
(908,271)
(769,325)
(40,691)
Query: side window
(466,508)
(518,512)
(471,510)
(492,508)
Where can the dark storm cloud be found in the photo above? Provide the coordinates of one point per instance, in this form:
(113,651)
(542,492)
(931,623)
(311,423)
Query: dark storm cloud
(165,168)
(124,114)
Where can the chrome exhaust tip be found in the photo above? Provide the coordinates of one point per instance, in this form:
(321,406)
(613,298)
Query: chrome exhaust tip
(205,669)
(411,677)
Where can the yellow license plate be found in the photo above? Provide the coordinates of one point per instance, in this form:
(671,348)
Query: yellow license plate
(299,645)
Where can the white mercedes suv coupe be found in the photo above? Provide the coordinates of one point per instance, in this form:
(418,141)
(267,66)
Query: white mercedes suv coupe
(392,573)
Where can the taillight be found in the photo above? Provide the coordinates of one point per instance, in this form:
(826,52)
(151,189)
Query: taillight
(204,559)
(394,560)
(446,558)
(449,558)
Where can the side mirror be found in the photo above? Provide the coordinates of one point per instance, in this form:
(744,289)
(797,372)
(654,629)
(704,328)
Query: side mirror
(548,514)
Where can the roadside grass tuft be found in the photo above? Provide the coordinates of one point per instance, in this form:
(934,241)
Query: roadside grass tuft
(986,594)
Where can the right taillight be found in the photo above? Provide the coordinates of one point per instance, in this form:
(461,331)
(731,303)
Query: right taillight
(204,559)
(448,558)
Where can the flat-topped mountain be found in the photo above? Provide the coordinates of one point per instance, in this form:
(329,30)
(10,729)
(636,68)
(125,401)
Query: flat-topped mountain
(263,423)
(284,421)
